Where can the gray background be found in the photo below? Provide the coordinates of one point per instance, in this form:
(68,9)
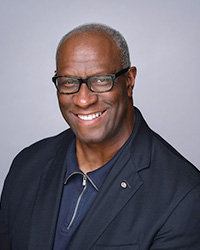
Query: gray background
(163,37)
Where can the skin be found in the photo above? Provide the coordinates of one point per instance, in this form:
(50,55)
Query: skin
(97,140)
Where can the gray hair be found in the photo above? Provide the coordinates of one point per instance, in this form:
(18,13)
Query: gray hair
(101,28)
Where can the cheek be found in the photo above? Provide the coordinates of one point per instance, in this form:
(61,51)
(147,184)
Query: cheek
(119,97)
(63,101)
(121,106)
(64,104)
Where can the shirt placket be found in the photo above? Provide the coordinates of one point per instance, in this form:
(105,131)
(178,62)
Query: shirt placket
(84,183)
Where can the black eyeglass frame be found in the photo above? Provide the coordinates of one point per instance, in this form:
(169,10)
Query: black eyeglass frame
(85,80)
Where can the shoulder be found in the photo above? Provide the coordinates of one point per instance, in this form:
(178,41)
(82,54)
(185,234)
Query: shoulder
(50,141)
(161,156)
(170,175)
(163,169)
(170,158)
(45,145)
(32,159)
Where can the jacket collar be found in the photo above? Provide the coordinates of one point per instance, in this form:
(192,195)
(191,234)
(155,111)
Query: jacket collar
(141,143)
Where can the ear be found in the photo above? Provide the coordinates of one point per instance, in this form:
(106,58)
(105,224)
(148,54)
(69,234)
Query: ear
(131,80)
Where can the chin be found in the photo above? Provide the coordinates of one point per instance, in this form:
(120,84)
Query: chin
(89,139)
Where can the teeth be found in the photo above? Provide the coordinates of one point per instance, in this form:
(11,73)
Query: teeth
(89,117)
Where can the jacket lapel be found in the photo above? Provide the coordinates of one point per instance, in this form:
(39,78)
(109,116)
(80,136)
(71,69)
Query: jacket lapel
(47,202)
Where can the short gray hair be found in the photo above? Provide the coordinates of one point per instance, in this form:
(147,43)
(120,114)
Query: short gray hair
(101,28)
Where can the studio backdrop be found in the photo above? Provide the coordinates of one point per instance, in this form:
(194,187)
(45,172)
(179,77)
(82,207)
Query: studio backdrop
(163,38)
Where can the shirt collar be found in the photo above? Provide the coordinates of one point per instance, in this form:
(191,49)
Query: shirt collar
(95,177)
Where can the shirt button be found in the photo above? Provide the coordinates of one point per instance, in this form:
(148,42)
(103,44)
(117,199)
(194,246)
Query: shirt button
(123,184)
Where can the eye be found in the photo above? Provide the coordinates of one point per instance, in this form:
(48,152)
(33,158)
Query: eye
(103,79)
(66,81)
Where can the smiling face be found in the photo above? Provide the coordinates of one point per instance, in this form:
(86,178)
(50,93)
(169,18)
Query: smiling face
(96,118)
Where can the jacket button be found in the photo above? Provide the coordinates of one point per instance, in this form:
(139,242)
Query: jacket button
(123,184)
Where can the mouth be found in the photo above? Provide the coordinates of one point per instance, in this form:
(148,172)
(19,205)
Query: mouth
(90,117)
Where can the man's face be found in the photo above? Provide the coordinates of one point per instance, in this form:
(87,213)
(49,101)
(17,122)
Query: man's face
(94,117)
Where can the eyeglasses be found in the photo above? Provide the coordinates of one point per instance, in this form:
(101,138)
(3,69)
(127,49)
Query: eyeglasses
(97,83)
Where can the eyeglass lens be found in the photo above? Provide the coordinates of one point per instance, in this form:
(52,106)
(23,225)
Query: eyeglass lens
(100,83)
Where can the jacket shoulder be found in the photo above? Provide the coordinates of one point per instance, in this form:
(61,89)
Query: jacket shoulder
(170,154)
(46,144)
(32,159)
(169,167)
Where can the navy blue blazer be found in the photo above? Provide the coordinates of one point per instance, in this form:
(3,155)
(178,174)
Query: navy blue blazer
(158,208)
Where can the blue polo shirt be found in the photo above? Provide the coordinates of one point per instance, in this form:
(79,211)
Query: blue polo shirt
(79,193)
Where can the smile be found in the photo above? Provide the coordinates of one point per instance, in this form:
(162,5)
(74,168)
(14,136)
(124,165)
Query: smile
(90,117)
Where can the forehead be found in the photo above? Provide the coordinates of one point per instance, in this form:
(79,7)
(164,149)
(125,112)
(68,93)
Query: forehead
(82,47)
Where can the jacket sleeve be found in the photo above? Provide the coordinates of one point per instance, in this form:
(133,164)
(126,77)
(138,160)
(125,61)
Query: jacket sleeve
(4,208)
(181,230)
(4,236)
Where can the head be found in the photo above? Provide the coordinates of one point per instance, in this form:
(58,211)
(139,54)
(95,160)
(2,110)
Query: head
(118,39)
(97,118)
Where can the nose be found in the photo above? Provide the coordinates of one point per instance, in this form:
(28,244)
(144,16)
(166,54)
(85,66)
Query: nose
(85,97)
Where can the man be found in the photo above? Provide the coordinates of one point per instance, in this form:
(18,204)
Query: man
(109,182)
